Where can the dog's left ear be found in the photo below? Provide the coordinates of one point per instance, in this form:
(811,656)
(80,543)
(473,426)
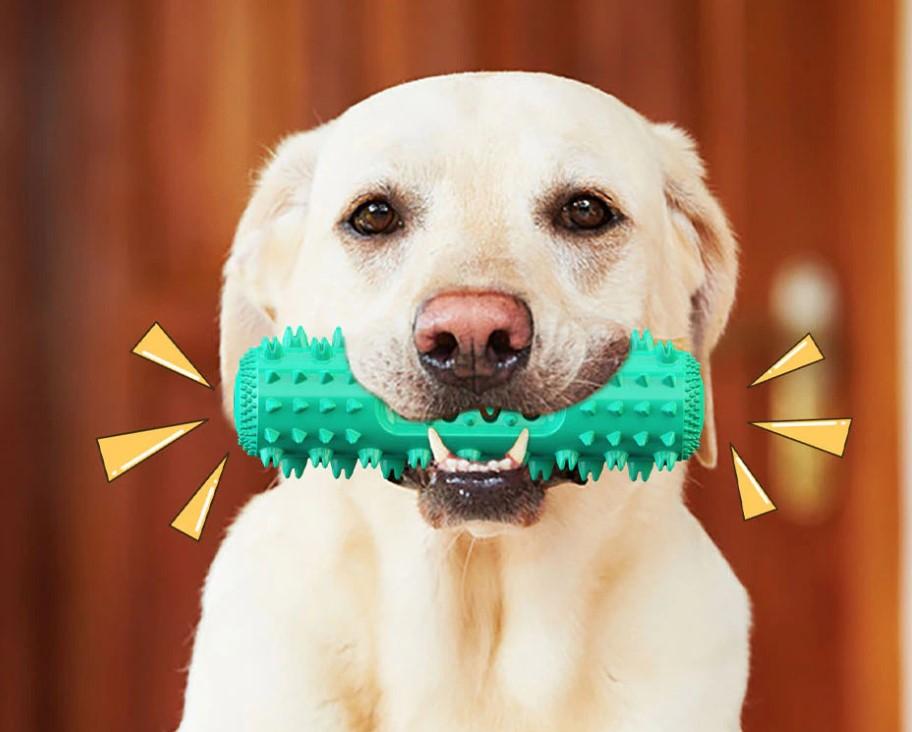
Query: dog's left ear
(265,246)
(700,223)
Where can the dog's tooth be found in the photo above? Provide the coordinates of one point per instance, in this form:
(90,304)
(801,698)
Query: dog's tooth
(506,464)
(517,453)
(493,465)
(441,453)
(463,464)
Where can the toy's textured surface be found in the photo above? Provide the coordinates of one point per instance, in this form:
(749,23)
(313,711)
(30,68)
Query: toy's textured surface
(296,400)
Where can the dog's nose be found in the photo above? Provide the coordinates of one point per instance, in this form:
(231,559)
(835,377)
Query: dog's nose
(475,340)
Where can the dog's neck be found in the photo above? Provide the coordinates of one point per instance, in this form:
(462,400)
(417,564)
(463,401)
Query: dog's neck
(484,605)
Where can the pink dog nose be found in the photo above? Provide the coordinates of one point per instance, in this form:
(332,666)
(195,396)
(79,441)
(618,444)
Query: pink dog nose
(474,340)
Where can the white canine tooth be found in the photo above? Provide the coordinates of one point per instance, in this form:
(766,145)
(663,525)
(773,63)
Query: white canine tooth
(517,453)
(450,464)
(506,464)
(441,453)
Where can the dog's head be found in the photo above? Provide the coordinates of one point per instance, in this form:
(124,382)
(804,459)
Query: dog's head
(483,240)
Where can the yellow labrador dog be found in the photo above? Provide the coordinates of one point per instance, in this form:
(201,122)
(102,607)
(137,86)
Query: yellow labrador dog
(483,240)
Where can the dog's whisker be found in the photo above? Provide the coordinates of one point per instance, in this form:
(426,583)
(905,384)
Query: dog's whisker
(465,567)
(449,548)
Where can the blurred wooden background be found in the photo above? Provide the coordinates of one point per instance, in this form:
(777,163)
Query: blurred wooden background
(128,134)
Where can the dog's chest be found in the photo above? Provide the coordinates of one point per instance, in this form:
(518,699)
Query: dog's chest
(472,653)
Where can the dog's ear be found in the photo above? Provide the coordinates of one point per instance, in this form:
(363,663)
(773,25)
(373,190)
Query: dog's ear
(700,223)
(265,246)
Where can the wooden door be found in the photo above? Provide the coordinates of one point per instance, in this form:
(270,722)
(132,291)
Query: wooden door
(128,134)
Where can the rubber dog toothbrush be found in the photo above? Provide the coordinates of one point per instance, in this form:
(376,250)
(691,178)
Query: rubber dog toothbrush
(296,400)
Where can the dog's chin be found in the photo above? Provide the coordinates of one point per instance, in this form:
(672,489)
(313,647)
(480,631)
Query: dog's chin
(488,529)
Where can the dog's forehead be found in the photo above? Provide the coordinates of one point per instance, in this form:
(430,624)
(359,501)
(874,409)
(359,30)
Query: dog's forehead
(529,125)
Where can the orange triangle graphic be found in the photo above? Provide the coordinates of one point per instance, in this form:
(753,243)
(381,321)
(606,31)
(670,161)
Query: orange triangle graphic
(803,353)
(829,435)
(157,346)
(754,501)
(192,517)
(120,453)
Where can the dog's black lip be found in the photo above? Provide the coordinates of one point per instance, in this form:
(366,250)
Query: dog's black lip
(447,498)
(417,478)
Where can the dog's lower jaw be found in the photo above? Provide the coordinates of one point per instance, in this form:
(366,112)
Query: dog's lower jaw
(506,497)
(442,505)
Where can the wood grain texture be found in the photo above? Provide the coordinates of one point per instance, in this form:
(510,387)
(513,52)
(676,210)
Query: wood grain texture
(128,134)
(24,645)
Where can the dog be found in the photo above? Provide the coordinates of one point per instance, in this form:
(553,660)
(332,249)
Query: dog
(485,240)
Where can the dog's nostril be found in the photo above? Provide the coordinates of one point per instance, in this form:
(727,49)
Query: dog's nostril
(445,347)
(499,345)
(501,353)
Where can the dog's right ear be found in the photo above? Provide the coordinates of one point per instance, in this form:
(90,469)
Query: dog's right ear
(699,220)
(265,246)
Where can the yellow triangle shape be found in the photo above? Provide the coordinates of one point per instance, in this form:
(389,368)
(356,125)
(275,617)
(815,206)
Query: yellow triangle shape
(829,435)
(192,518)
(157,346)
(120,453)
(754,501)
(803,353)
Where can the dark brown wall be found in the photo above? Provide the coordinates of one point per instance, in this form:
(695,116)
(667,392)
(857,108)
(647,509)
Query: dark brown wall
(128,133)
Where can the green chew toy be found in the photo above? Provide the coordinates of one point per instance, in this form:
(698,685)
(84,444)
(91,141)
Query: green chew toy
(295,399)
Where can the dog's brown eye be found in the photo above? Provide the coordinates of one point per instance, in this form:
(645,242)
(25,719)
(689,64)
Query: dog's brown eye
(375,217)
(587,212)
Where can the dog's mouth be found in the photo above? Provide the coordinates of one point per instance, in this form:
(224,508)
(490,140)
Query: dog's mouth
(453,490)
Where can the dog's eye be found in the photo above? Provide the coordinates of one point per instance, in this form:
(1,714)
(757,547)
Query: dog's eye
(375,217)
(587,212)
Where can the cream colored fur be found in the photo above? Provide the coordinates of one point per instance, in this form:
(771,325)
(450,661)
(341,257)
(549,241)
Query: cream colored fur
(331,605)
